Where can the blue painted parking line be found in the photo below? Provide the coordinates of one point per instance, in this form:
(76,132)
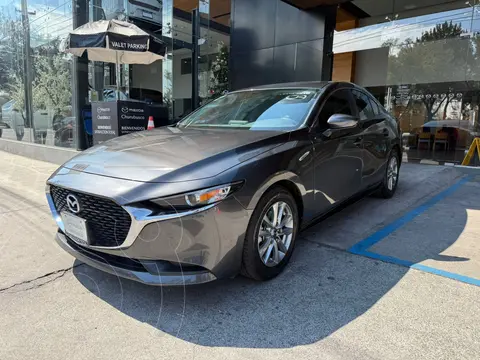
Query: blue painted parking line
(387,230)
(424,268)
(384,258)
(361,248)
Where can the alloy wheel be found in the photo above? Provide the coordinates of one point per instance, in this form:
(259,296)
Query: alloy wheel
(275,234)
(392,173)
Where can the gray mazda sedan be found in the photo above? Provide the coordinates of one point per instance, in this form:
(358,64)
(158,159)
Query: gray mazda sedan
(227,189)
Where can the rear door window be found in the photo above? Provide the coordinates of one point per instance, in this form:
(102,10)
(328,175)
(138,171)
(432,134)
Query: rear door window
(376,108)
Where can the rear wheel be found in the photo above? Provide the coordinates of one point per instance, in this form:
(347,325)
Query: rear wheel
(390,180)
(270,237)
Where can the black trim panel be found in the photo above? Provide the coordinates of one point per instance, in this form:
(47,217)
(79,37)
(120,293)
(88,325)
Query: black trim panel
(355,10)
(184,15)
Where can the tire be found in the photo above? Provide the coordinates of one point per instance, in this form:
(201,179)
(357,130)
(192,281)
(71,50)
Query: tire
(252,264)
(387,188)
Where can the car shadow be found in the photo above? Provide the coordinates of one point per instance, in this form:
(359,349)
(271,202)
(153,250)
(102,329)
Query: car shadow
(322,290)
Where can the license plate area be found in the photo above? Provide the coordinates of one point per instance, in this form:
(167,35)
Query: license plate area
(76,227)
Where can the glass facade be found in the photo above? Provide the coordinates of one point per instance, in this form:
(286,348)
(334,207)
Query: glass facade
(422,61)
(46,94)
(35,76)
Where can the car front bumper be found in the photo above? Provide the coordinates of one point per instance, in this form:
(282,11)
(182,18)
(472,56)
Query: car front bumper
(146,272)
(192,247)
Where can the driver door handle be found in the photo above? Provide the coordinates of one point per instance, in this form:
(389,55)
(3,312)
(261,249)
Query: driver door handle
(358,141)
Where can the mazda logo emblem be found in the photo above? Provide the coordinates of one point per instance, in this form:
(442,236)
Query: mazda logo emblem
(125,109)
(73,204)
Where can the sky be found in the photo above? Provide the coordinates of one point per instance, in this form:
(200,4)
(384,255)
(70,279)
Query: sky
(374,36)
(49,19)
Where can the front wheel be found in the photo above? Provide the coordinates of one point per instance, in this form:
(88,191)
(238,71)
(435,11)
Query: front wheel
(271,234)
(390,180)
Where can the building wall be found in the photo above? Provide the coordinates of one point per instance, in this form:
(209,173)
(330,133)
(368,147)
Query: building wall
(371,67)
(344,63)
(272,42)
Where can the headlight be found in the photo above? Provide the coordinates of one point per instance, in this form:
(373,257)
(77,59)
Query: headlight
(208,196)
(198,198)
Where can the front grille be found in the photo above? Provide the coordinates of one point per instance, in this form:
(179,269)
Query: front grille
(107,222)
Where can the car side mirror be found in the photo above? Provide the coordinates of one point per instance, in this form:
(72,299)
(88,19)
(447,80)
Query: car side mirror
(342,121)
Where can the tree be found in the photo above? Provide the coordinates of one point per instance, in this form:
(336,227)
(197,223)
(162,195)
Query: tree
(219,77)
(52,87)
(437,57)
(447,30)
(52,83)
(12,43)
(16,91)
(11,49)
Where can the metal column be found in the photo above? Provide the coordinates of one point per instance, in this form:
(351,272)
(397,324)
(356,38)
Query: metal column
(195,57)
(80,75)
(27,68)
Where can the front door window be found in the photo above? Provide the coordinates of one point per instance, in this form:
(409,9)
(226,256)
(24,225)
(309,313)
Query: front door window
(337,103)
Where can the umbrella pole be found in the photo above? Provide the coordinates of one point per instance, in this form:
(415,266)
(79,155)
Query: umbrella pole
(117,69)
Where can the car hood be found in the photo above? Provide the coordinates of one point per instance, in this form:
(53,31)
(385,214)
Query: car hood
(171,154)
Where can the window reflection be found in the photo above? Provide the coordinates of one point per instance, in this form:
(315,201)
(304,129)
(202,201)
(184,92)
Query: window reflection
(46,96)
(36,76)
(422,62)
(255,110)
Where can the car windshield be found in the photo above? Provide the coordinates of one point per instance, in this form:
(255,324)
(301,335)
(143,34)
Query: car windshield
(279,109)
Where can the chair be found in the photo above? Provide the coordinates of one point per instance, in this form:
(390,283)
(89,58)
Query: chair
(442,139)
(424,138)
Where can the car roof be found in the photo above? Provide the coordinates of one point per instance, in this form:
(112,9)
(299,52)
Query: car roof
(295,85)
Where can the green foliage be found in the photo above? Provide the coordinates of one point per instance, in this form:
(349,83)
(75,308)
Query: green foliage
(16,91)
(11,50)
(50,73)
(52,87)
(440,55)
(447,30)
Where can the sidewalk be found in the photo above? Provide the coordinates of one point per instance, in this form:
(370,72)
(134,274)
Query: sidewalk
(26,225)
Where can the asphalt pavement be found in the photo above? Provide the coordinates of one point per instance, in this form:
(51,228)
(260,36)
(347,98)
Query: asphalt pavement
(409,290)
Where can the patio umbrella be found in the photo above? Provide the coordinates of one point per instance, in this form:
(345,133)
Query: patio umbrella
(114,41)
(457,124)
